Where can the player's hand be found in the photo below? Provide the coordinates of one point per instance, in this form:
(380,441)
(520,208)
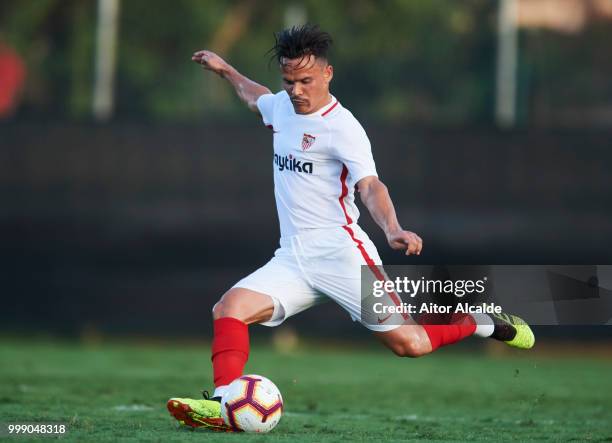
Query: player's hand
(400,240)
(211,61)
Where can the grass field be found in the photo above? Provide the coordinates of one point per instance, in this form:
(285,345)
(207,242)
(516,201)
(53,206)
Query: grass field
(117,392)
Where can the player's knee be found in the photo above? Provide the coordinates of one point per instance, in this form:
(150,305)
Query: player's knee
(228,306)
(245,306)
(410,348)
(217,310)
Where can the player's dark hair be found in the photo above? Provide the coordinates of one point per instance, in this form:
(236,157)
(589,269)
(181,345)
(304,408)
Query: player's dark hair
(300,42)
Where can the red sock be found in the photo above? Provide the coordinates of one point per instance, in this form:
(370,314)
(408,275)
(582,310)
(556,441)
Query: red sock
(230,349)
(445,334)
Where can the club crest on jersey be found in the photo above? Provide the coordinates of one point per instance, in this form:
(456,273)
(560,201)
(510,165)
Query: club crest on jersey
(307,141)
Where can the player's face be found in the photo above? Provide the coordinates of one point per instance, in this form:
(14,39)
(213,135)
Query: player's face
(306,80)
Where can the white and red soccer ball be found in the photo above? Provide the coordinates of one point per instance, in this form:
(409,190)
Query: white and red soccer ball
(252,403)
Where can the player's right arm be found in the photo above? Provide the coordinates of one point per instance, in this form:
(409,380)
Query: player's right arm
(247,90)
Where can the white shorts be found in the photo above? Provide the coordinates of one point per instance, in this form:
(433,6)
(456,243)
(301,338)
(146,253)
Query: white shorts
(315,266)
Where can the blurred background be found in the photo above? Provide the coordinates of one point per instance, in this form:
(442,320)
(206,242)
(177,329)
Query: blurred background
(135,188)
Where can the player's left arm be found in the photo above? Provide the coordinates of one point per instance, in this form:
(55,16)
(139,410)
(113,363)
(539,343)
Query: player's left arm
(375,196)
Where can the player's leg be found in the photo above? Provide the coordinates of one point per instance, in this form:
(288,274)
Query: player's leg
(232,314)
(268,296)
(415,340)
(339,277)
(406,340)
(245,305)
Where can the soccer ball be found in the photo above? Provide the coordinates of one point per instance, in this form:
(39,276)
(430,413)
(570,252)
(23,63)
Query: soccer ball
(252,403)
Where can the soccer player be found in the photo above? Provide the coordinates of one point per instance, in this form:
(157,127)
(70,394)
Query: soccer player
(321,155)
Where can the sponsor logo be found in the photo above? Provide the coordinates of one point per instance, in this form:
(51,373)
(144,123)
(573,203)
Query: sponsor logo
(307,141)
(290,163)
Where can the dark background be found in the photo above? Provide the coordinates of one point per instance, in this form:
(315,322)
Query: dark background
(125,228)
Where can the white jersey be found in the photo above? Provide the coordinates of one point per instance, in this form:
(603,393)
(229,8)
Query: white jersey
(318,159)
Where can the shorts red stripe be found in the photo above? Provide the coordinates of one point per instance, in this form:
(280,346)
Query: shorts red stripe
(372,266)
(344,193)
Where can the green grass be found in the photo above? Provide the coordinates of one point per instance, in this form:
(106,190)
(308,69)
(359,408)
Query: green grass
(118,393)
